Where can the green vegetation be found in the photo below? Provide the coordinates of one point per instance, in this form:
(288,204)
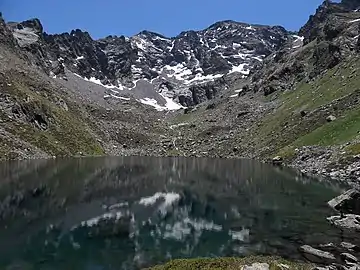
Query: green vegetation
(286,129)
(181,118)
(230,264)
(287,153)
(340,131)
(188,117)
(353,149)
(67,133)
(173,153)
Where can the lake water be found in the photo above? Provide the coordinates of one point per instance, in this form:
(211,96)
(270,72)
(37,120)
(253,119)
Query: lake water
(133,212)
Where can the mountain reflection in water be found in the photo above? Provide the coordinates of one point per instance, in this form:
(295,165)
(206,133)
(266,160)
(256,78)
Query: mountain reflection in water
(132,212)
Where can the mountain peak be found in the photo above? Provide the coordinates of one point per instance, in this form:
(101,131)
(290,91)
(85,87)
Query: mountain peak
(150,34)
(33,24)
(80,34)
(225,22)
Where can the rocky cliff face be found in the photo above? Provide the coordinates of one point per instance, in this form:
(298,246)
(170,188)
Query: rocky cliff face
(330,36)
(149,64)
(6,36)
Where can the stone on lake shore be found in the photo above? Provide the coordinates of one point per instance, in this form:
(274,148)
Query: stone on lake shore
(349,222)
(347,203)
(317,256)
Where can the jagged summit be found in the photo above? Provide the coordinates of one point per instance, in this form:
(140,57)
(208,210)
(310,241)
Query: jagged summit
(33,24)
(151,34)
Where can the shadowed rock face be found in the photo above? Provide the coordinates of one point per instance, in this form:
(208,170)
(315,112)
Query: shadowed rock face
(351,4)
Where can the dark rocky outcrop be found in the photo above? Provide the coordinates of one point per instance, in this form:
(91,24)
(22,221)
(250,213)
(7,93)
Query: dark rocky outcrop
(204,92)
(347,203)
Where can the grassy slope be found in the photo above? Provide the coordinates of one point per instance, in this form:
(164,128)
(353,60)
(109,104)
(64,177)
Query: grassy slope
(285,128)
(229,263)
(67,135)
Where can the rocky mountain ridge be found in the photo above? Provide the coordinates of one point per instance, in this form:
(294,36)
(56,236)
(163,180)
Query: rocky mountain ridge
(149,64)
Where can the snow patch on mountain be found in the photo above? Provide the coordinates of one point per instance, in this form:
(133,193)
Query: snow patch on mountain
(241,69)
(98,82)
(115,96)
(298,42)
(170,104)
(353,21)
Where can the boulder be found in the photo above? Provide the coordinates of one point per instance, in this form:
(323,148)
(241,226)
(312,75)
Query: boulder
(347,257)
(349,222)
(347,203)
(317,256)
(211,106)
(277,160)
(349,246)
(189,110)
(330,118)
(257,266)
(303,113)
(242,113)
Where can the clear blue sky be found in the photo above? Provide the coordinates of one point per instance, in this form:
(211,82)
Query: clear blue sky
(168,17)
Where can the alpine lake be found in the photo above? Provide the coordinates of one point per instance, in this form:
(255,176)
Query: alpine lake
(135,212)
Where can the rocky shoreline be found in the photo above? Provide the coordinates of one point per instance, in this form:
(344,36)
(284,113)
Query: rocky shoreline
(342,255)
(311,161)
(326,163)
